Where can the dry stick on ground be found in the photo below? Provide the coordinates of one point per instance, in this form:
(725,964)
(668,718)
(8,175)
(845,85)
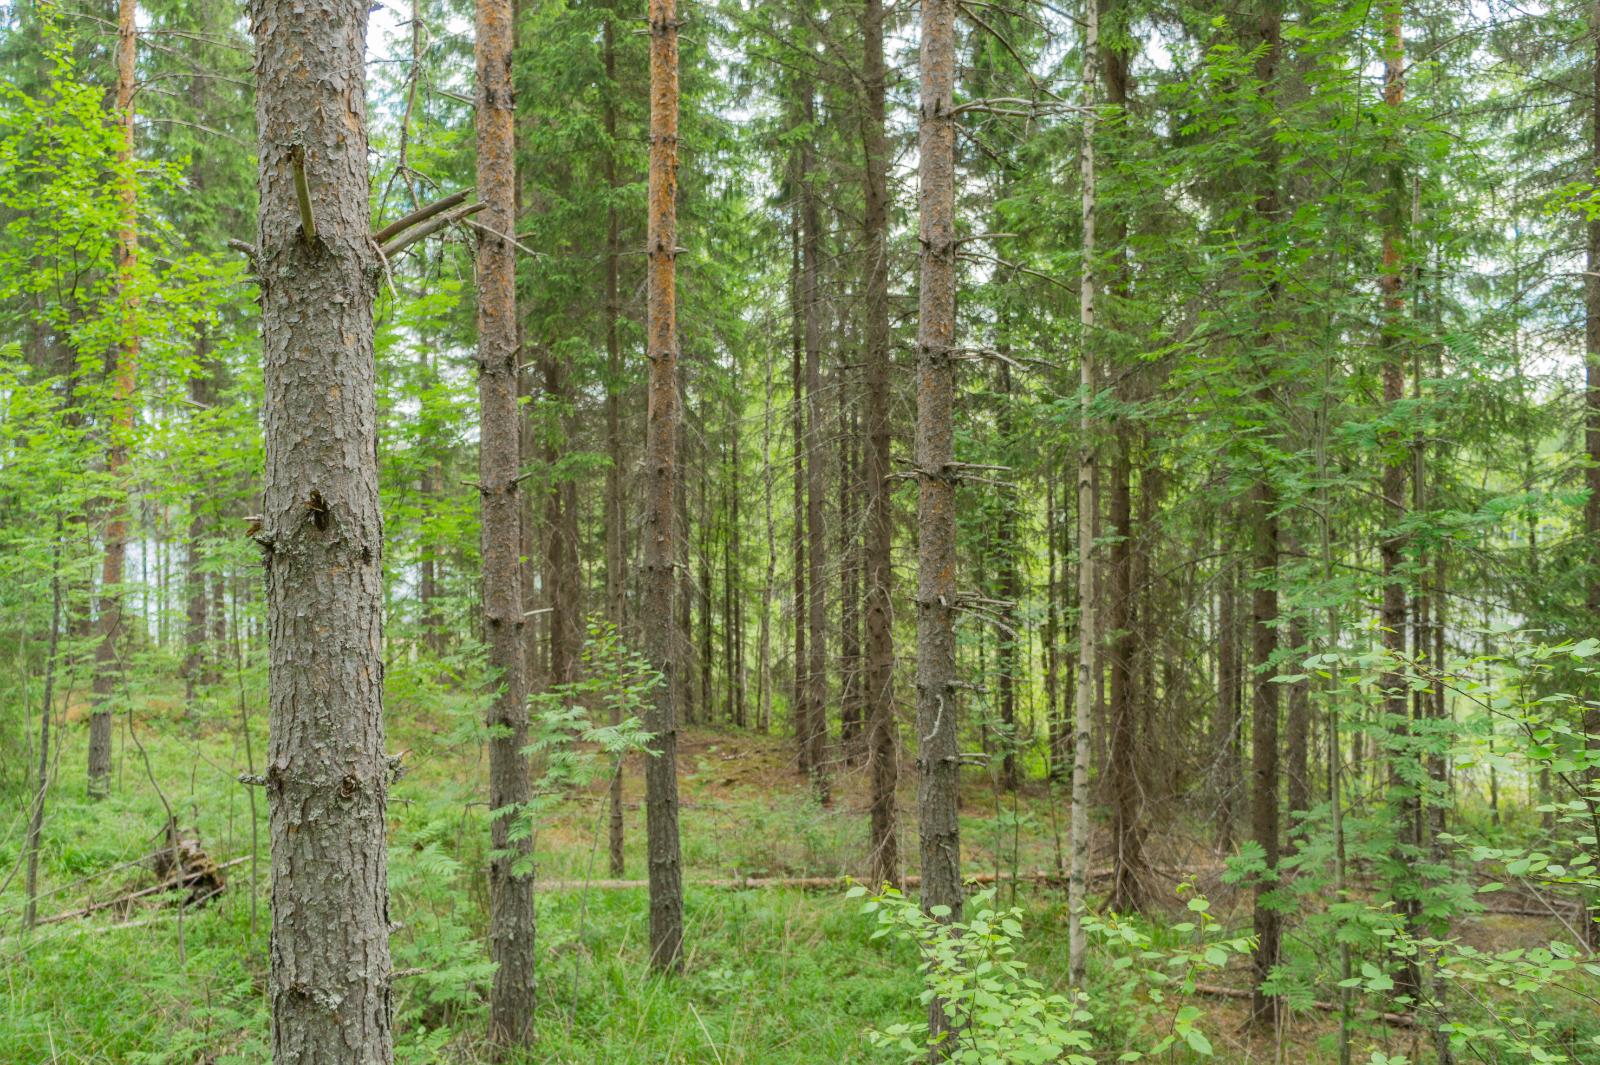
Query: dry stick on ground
(1399,1020)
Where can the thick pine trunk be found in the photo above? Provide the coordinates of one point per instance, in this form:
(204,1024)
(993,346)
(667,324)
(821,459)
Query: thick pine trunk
(661,476)
(500,450)
(1591,350)
(938,716)
(1121,769)
(322,537)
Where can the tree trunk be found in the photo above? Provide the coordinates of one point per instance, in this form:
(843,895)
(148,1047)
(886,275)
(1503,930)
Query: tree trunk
(1391,549)
(511,917)
(661,444)
(878,690)
(1088,631)
(322,535)
(616,504)
(196,598)
(850,703)
(938,716)
(1010,631)
(797,424)
(816,470)
(561,529)
(1264,742)
(1264,601)
(1591,351)
(107,658)
(1122,784)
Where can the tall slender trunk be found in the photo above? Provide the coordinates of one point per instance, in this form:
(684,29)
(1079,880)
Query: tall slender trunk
(511,917)
(322,536)
(30,889)
(1088,631)
(816,472)
(732,581)
(707,701)
(1010,631)
(850,704)
(764,635)
(195,595)
(561,528)
(1591,352)
(1264,741)
(797,427)
(1121,784)
(124,363)
(616,500)
(1264,600)
(1055,718)
(883,744)
(1393,480)
(1297,740)
(661,475)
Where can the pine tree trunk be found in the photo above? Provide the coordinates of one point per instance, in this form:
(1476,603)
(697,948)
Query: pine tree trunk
(661,476)
(816,473)
(107,658)
(616,500)
(938,718)
(797,426)
(1591,351)
(1264,606)
(196,599)
(1121,783)
(1010,631)
(511,918)
(882,731)
(1088,630)
(322,535)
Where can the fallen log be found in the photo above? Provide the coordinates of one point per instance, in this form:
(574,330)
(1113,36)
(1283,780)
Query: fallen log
(186,880)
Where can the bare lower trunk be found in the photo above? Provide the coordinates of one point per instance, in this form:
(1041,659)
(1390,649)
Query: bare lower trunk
(938,717)
(661,455)
(500,450)
(616,498)
(1088,631)
(1591,350)
(107,657)
(322,538)
(816,470)
(1264,744)
(878,690)
(1122,784)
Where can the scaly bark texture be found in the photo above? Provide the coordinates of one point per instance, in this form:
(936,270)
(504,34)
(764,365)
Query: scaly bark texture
(511,912)
(616,502)
(661,474)
(1088,632)
(938,717)
(878,689)
(1591,351)
(1264,601)
(322,537)
(1008,660)
(1264,742)
(1391,548)
(107,659)
(816,475)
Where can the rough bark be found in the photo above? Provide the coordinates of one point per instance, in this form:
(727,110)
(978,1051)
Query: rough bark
(938,718)
(878,690)
(797,428)
(616,501)
(661,456)
(1088,631)
(500,450)
(1391,548)
(816,473)
(1121,770)
(1264,601)
(1264,742)
(1010,631)
(1228,718)
(1591,409)
(850,703)
(322,537)
(561,529)
(123,369)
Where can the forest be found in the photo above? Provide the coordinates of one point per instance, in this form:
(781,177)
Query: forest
(1051,532)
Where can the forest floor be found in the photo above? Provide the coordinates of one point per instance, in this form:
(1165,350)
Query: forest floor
(774,975)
